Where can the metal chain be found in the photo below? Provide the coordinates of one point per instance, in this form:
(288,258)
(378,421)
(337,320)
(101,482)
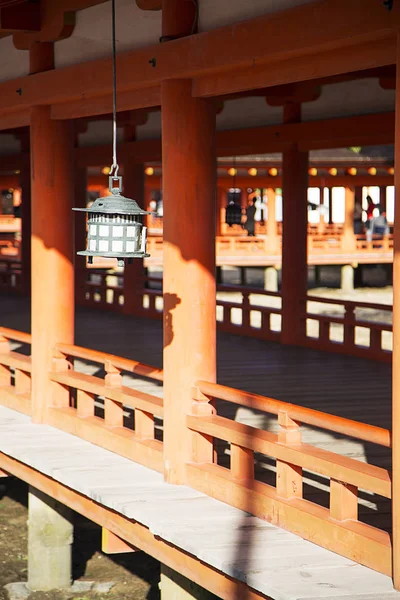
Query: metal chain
(114,167)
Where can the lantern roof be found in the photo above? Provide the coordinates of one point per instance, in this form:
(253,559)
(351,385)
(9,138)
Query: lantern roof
(115,204)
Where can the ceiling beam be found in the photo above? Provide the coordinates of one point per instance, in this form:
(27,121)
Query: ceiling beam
(320,66)
(312,135)
(284,47)
(149,4)
(24,16)
(90,107)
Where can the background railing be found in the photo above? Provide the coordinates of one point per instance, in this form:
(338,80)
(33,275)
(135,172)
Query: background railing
(357,328)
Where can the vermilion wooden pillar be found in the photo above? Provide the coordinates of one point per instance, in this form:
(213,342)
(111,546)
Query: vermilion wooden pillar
(189,190)
(396,347)
(349,240)
(80,234)
(52,170)
(25,183)
(133,275)
(294,236)
(178,19)
(272,234)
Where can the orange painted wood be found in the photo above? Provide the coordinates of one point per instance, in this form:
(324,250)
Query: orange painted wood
(230,47)
(323,462)
(144,425)
(289,477)
(355,540)
(113,544)
(20,402)
(125,395)
(396,349)
(113,410)
(41,57)
(315,418)
(179,19)
(133,273)
(52,168)
(16,360)
(85,404)
(15,118)
(22,382)
(294,236)
(349,240)
(327,63)
(120,440)
(79,224)
(18,336)
(102,105)
(343,501)
(134,533)
(189,188)
(242,463)
(124,364)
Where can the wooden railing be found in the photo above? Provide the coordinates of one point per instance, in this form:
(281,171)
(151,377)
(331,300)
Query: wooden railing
(15,371)
(348,333)
(257,313)
(283,504)
(10,275)
(101,410)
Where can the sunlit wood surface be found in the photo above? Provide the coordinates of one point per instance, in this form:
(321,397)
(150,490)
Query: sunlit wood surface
(350,387)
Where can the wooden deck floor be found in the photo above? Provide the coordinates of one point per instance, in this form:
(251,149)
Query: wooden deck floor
(346,386)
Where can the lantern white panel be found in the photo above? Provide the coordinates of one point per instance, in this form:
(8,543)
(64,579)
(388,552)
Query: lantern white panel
(131,232)
(130,246)
(103,245)
(93,229)
(117,246)
(104,230)
(117,231)
(92,245)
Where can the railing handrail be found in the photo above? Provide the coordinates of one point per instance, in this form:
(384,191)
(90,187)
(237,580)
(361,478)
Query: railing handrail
(17,336)
(309,416)
(125,364)
(349,303)
(247,290)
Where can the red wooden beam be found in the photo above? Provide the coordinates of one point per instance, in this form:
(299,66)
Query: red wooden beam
(24,16)
(274,49)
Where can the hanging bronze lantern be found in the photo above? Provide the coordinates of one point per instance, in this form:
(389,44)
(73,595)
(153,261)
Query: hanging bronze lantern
(115,229)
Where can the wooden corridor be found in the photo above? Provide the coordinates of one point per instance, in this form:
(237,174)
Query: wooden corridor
(345,386)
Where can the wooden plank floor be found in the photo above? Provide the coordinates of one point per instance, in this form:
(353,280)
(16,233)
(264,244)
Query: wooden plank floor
(355,388)
(272,561)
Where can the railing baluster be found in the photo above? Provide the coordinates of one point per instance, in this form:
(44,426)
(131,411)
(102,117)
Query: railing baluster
(202,447)
(289,478)
(144,425)
(60,394)
(343,501)
(113,410)
(22,381)
(85,404)
(324,330)
(242,463)
(245,311)
(349,325)
(375,339)
(5,372)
